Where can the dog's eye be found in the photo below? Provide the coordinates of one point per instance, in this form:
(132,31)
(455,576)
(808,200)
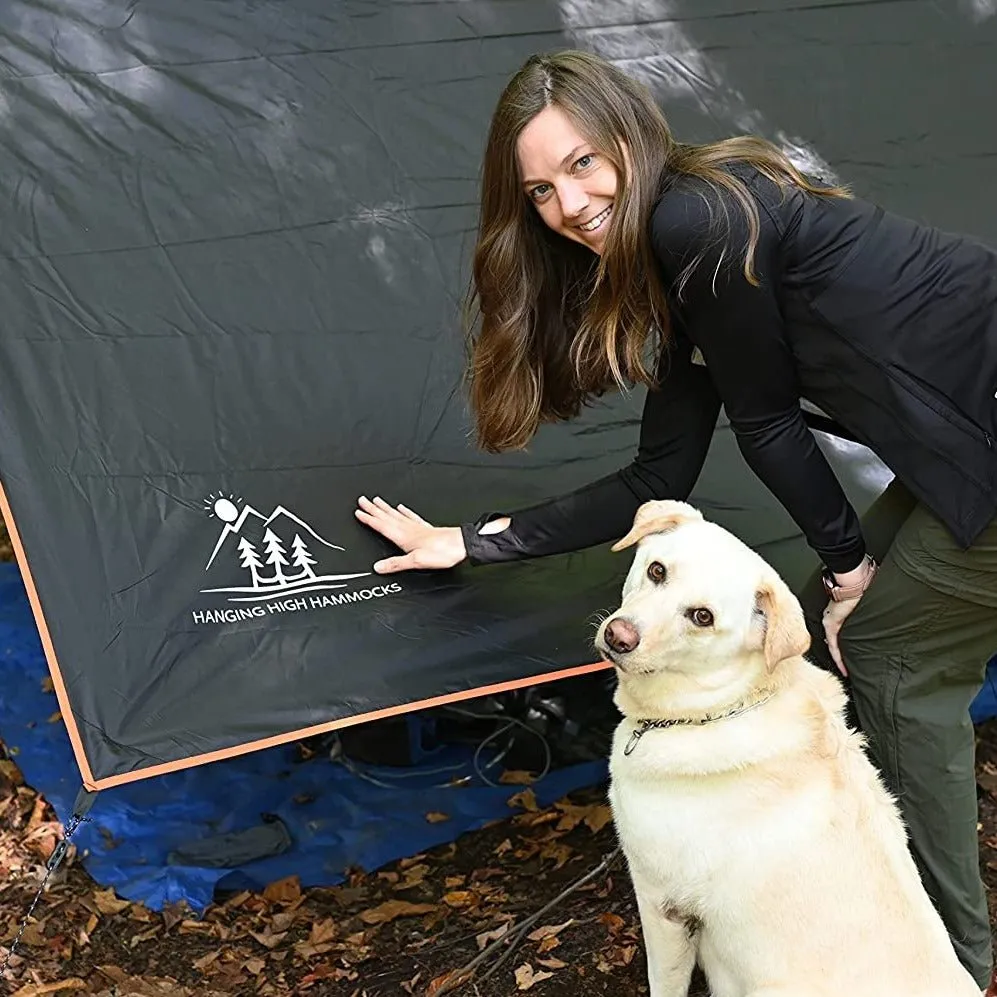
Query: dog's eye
(656,572)
(701,616)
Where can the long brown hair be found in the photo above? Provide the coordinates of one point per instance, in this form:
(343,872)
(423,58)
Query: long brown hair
(560,325)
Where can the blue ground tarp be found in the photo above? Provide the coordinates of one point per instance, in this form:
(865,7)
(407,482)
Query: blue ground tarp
(345,822)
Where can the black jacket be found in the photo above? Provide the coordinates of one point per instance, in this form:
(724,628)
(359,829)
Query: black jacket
(888,326)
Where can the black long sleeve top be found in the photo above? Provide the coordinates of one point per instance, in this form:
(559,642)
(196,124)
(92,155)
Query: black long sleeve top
(738,330)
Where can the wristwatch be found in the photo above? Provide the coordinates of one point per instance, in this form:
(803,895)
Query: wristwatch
(842,593)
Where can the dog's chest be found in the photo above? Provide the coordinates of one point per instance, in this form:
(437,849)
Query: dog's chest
(690,836)
(679,832)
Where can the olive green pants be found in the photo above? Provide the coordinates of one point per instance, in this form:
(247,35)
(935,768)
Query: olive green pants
(916,648)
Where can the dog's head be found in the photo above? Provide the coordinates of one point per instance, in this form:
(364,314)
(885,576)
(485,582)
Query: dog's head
(698,601)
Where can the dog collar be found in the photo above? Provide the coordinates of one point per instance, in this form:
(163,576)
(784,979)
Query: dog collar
(643,726)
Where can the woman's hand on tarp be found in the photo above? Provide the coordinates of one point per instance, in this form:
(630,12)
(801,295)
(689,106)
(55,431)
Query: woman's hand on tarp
(425,546)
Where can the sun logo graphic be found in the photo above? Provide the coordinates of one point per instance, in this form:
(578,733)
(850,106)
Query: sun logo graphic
(279,552)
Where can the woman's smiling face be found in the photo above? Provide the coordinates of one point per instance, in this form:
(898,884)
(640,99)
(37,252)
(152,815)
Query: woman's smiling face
(570,183)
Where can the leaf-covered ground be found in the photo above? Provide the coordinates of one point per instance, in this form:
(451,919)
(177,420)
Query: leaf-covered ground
(404,929)
(397,930)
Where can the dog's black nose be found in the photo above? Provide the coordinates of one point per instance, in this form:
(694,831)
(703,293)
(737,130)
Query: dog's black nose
(621,636)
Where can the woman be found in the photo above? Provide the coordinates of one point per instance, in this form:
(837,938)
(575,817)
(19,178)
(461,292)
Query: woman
(610,254)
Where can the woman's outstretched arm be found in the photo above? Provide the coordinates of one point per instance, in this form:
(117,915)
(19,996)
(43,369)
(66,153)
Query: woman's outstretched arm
(677,425)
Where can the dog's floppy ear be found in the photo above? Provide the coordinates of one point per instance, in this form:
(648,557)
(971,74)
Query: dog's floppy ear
(657,517)
(786,633)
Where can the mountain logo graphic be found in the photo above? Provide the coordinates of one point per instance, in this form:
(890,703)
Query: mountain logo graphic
(279,552)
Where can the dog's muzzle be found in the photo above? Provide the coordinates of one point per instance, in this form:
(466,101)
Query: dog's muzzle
(621,636)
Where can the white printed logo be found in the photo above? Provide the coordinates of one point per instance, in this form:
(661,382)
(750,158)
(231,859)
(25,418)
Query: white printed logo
(279,552)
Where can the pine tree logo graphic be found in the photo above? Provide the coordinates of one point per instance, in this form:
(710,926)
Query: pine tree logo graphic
(274,551)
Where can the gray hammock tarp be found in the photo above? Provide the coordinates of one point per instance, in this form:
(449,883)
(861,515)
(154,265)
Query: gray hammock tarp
(234,238)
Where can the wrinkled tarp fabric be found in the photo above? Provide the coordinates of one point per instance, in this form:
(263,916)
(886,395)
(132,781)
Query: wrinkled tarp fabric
(335,820)
(233,238)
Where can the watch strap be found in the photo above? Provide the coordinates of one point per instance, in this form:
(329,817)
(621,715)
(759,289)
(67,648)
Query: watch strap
(842,593)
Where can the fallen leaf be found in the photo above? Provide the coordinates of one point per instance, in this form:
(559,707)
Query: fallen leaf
(504,847)
(460,898)
(390,909)
(266,939)
(9,772)
(38,989)
(546,944)
(143,937)
(551,963)
(42,840)
(623,955)
(598,818)
(986,776)
(34,935)
(549,930)
(37,817)
(107,903)
(557,852)
(283,921)
(536,818)
(320,972)
(517,777)
(493,894)
(283,891)
(435,817)
(412,876)
(55,717)
(526,799)
(491,936)
(452,882)
(322,931)
(527,849)
(453,976)
(206,960)
(254,966)
(614,922)
(526,976)
(308,952)
(595,816)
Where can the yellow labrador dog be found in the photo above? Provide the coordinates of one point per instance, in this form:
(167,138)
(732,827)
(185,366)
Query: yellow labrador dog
(759,838)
